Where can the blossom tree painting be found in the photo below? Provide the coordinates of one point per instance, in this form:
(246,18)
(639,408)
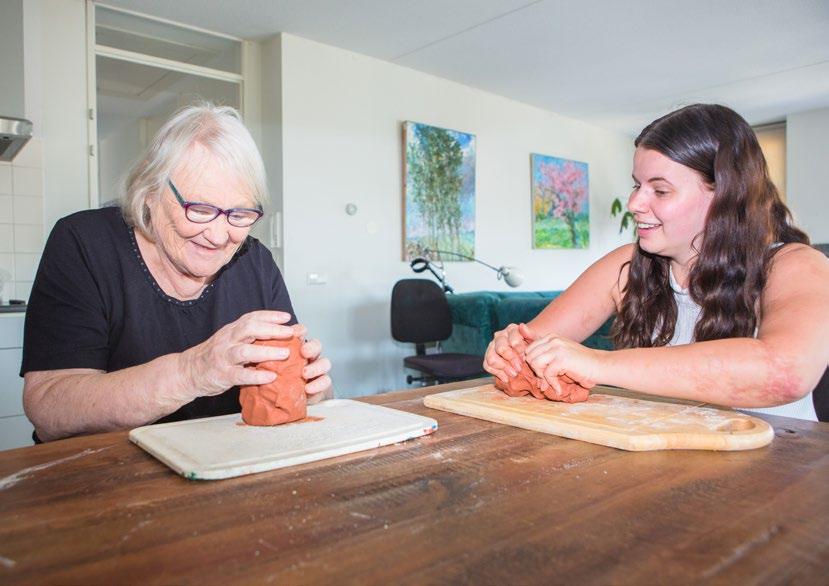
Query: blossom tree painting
(439,190)
(560,195)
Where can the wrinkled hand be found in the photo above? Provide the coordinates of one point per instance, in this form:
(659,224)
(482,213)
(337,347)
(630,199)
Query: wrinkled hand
(568,367)
(315,373)
(505,353)
(228,357)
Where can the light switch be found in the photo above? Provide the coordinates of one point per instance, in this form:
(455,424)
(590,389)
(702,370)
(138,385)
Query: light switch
(316,278)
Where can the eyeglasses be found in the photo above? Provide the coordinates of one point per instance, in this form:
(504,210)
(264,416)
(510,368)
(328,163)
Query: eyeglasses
(202,213)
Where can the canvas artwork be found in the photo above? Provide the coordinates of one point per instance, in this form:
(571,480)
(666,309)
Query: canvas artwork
(560,198)
(439,191)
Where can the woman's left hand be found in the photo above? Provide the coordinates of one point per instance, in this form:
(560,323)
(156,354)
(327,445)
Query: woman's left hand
(568,367)
(315,373)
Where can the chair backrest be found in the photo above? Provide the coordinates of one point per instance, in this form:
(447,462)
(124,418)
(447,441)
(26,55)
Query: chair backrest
(419,312)
(820,397)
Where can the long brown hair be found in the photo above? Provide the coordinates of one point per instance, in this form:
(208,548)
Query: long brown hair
(745,218)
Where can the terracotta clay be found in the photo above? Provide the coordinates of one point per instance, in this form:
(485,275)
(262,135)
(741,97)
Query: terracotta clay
(284,399)
(527,383)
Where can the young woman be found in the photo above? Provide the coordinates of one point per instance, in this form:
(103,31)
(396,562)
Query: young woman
(720,299)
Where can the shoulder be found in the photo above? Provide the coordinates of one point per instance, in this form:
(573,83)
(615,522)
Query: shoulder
(254,257)
(798,257)
(621,255)
(257,253)
(797,268)
(607,275)
(89,223)
(614,265)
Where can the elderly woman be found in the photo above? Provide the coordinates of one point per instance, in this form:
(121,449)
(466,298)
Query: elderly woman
(148,312)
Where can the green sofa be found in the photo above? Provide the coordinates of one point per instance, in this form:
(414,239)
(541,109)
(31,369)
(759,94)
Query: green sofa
(477,316)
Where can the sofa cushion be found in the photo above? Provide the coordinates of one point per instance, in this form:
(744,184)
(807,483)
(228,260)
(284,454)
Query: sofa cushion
(472,322)
(515,310)
(477,316)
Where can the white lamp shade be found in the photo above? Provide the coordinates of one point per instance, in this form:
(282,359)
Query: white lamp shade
(512,276)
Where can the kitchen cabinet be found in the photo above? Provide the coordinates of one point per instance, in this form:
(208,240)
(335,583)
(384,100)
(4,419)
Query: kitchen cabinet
(15,428)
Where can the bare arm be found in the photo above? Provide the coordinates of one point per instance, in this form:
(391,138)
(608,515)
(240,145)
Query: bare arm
(575,314)
(588,302)
(781,365)
(67,402)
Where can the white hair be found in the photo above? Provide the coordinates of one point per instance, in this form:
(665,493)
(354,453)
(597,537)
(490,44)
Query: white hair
(220,130)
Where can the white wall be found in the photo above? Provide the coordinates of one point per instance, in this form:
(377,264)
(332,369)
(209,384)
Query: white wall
(117,152)
(342,141)
(270,141)
(49,177)
(807,181)
(21,221)
(11,58)
(56,102)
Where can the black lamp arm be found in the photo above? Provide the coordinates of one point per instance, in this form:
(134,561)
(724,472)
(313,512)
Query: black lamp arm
(421,264)
(427,251)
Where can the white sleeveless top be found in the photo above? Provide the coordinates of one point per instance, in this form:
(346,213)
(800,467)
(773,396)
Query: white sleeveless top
(688,314)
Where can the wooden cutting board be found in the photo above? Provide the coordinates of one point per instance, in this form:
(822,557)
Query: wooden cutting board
(616,418)
(224,447)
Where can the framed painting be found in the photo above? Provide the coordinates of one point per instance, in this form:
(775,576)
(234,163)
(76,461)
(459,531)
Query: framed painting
(439,191)
(560,203)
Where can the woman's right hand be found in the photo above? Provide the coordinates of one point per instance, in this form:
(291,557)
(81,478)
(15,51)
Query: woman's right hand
(228,357)
(505,354)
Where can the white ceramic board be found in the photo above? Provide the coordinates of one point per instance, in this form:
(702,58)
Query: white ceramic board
(224,447)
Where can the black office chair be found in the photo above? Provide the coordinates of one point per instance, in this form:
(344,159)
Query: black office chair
(420,315)
(820,397)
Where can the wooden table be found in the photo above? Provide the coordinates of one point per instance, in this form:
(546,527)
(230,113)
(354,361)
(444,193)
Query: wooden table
(476,502)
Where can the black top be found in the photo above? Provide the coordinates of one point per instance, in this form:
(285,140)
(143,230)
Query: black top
(94,304)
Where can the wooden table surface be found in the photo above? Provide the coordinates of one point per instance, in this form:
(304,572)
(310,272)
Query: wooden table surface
(476,502)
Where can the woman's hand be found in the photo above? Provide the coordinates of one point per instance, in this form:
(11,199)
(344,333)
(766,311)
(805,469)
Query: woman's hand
(228,357)
(568,367)
(505,353)
(315,373)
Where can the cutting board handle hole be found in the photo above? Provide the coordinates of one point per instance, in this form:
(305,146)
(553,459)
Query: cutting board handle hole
(736,425)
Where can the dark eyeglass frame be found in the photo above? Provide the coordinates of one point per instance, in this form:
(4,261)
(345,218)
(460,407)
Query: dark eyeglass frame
(219,211)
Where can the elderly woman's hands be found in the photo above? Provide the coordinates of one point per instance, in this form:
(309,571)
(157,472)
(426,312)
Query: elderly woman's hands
(229,356)
(568,367)
(505,354)
(315,373)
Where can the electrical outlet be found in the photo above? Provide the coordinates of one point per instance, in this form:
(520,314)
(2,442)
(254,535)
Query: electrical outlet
(316,278)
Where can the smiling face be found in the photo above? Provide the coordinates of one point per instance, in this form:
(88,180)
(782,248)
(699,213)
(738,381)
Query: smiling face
(197,251)
(669,202)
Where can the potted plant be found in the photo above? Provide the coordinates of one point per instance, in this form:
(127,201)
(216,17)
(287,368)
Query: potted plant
(627,218)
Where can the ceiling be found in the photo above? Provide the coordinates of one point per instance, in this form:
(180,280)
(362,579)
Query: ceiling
(617,64)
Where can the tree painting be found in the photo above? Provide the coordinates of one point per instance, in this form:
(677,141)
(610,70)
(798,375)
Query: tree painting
(561,217)
(439,190)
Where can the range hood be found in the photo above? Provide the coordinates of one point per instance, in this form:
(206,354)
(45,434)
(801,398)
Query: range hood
(14,134)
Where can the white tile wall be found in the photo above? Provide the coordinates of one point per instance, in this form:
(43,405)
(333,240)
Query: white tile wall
(26,237)
(6,213)
(28,209)
(5,178)
(27,180)
(6,238)
(21,220)
(22,290)
(31,155)
(7,263)
(25,266)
